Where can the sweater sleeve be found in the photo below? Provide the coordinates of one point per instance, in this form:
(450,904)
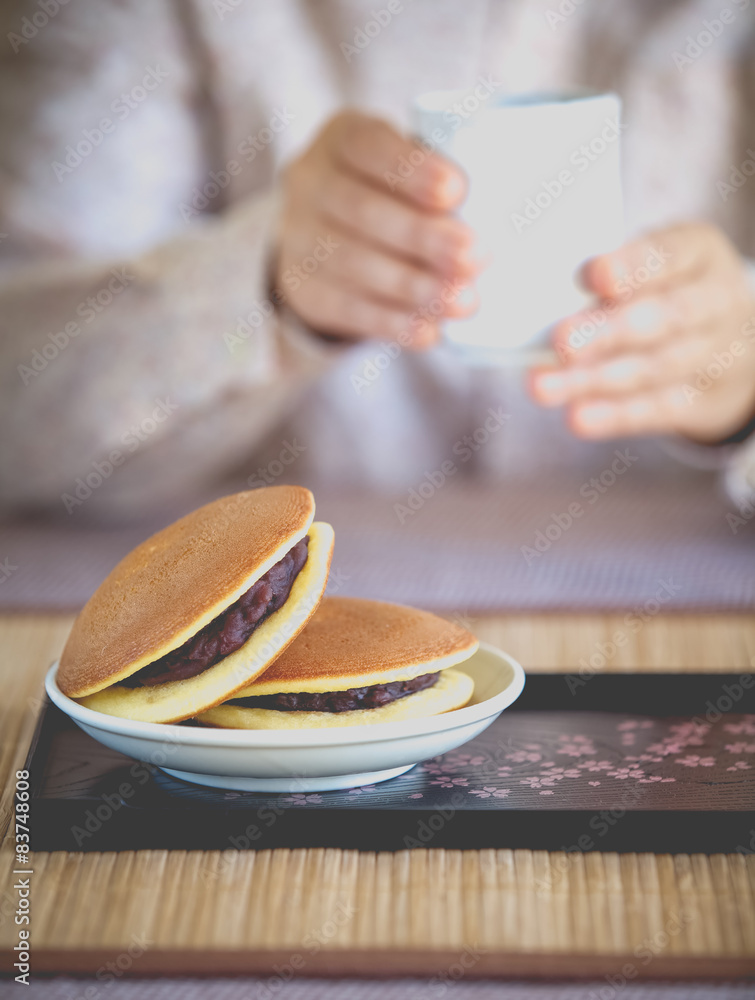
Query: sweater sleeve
(130,341)
(739,472)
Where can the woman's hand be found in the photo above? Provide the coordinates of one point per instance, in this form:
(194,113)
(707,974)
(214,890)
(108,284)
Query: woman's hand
(669,347)
(392,262)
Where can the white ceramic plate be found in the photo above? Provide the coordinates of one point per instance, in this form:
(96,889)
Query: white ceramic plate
(305,760)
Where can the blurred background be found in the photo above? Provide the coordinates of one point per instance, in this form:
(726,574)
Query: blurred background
(211,280)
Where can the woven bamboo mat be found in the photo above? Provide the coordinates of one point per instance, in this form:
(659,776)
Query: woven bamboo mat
(512,913)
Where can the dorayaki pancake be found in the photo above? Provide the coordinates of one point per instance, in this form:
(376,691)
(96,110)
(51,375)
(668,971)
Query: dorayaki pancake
(177,700)
(176,583)
(452,690)
(354,644)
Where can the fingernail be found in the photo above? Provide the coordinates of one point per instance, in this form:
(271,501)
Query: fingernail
(551,387)
(569,380)
(594,416)
(643,317)
(580,278)
(423,335)
(466,297)
(621,369)
(618,268)
(452,188)
(459,261)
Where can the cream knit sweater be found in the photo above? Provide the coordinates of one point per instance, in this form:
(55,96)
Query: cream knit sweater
(140,143)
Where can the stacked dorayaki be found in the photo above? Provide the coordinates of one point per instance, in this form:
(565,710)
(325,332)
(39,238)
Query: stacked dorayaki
(220,617)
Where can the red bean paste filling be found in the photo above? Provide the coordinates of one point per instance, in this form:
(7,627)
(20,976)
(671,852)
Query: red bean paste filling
(338,701)
(231,629)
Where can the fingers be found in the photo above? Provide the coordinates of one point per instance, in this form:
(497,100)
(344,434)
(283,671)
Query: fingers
(654,412)
(375,151)
(334,308)
(691,387)
(666,410)
(395,280)
(623,375)
(642,324)
(653,261)
(441,243)
(402,262)
(671,306)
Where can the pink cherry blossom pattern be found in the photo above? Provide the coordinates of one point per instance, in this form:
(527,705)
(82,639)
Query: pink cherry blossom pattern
(362,788)
(682,735)
(744,728)
(695,760)
(446,782)
(622,773)
(490,790)
(739,765)
(524,757)
(576,746)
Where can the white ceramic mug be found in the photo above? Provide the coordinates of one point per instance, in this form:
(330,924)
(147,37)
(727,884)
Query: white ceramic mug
(544,195)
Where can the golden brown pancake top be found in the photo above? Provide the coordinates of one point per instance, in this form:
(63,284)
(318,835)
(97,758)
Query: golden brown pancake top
(175,582)
(352,637)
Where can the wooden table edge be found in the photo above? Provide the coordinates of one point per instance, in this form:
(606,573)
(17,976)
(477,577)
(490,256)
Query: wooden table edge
(472,962)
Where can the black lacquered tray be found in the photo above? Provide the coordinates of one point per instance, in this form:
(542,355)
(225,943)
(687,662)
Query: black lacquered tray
(659,763)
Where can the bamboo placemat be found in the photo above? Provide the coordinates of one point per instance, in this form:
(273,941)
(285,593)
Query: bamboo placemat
(513,913)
